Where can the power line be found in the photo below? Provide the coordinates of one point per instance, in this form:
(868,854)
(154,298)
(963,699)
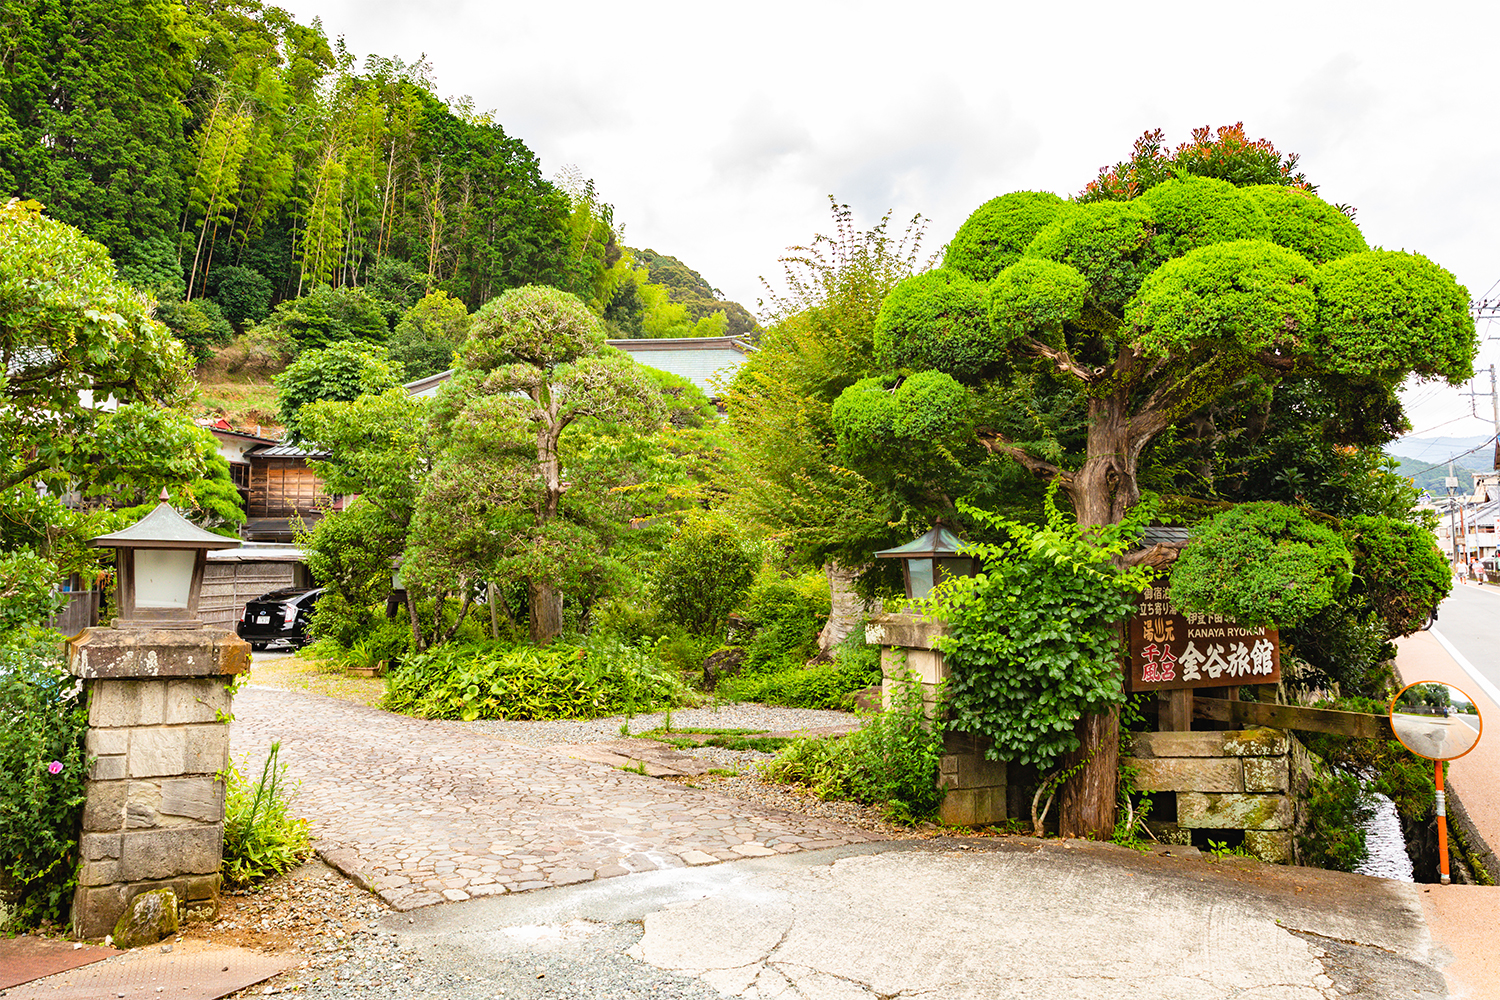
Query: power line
(1455,458)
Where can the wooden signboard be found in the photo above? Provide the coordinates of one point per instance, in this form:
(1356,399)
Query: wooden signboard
(1170,650)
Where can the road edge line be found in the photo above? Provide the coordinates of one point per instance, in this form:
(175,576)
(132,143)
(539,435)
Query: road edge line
(1484,682)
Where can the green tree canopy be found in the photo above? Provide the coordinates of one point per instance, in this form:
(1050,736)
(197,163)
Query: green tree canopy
(344,372)
(72,337)
(1175,320)
(494,508)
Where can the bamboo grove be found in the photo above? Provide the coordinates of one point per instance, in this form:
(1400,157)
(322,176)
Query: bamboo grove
(221,149)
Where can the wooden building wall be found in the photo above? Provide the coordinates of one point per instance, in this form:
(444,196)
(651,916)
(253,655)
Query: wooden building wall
(283,487)
(228,585)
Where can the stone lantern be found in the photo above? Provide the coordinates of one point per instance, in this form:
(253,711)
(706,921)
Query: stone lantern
(159,564)
(930,559)
(157,684)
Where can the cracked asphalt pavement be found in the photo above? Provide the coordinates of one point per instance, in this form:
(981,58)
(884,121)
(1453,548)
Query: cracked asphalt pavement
(935,920)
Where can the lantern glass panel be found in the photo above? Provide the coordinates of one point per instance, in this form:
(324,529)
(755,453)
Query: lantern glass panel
(163,577)
(919,577)
(951,567)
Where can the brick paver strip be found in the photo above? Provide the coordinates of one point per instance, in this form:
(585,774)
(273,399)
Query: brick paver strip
(427,811)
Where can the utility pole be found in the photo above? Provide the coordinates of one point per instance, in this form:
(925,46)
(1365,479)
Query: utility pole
(1495,405)
(1452,483)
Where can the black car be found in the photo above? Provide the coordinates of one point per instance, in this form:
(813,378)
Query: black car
(280,616)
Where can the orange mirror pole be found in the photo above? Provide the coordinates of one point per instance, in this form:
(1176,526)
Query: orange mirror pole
(1442,823)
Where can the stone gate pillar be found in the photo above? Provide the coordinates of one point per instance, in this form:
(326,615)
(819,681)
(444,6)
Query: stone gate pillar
(976,786)
(158,736)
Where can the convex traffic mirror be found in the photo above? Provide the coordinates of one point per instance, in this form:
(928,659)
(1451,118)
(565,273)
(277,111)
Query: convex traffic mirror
(1435,720)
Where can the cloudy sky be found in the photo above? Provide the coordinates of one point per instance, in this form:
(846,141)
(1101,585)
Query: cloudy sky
(718,131)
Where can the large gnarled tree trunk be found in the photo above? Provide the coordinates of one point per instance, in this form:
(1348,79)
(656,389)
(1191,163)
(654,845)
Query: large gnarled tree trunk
(1102,490)
(542,594)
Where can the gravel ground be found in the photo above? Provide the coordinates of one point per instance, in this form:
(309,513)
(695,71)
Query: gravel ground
(734,715)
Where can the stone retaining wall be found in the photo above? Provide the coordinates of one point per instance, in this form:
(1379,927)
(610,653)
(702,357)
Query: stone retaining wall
(1248,780)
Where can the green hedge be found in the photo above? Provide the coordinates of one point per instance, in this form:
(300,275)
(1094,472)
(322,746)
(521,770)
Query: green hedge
(499,681)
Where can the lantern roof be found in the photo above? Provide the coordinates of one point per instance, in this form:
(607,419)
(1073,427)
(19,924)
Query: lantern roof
(937,542)
(164,528)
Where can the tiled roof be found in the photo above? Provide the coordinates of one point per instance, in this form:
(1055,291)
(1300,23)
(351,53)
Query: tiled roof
(284,451)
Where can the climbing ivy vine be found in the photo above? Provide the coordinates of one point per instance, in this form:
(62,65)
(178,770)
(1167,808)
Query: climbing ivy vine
(1034,640)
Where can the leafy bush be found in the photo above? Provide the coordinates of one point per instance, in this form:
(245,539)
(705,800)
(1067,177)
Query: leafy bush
(242,293)
(327,316)
(471,681)
(1284,568)
(685,653)
(27,594)
(1338,806)
(343,372)
(199,324)
(260,838)
(335,620)
(997,232)
(428,333)
(1398,571)
(702,573)
(937,320)
(822,685)
(786,618)
(892,761)
(42,769)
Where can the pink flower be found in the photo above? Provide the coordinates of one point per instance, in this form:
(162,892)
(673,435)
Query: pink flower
(55,767)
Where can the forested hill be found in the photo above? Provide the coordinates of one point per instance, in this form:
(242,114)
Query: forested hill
(1426,476)
(689,288)
(232,159)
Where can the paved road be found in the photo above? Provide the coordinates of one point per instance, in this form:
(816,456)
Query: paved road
(1469,624)
(1010,919)
(428,811)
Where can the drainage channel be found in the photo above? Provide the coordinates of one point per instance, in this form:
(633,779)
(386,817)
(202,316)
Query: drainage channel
(1385,844)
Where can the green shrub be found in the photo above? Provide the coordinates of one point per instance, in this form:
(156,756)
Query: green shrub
(1338,806)
(471,681)
(937,320)
(702,574)
(341,623)
(1285,567)
(822,685)
(242,293)
(1034,640)
(27,592)
(786,619)
(997,232)
(199,324)
(630,621)
(260,838)
(327,316)
(685,653)
(42,769)
(892,761)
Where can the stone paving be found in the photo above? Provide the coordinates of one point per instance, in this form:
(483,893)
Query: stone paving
(425,811)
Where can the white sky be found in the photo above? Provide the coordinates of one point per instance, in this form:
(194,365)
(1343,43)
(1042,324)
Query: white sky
(718,131)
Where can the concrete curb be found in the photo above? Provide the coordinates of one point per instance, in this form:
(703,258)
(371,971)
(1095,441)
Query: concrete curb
(1458,818)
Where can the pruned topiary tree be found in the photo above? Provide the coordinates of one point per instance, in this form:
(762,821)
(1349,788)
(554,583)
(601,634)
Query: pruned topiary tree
(1172,287)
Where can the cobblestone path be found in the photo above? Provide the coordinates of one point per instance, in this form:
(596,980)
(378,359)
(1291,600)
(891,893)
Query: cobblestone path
(427,811)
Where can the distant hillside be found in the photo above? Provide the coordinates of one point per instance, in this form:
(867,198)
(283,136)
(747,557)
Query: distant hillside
(1431,480)
(689,288)
(1428,450)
